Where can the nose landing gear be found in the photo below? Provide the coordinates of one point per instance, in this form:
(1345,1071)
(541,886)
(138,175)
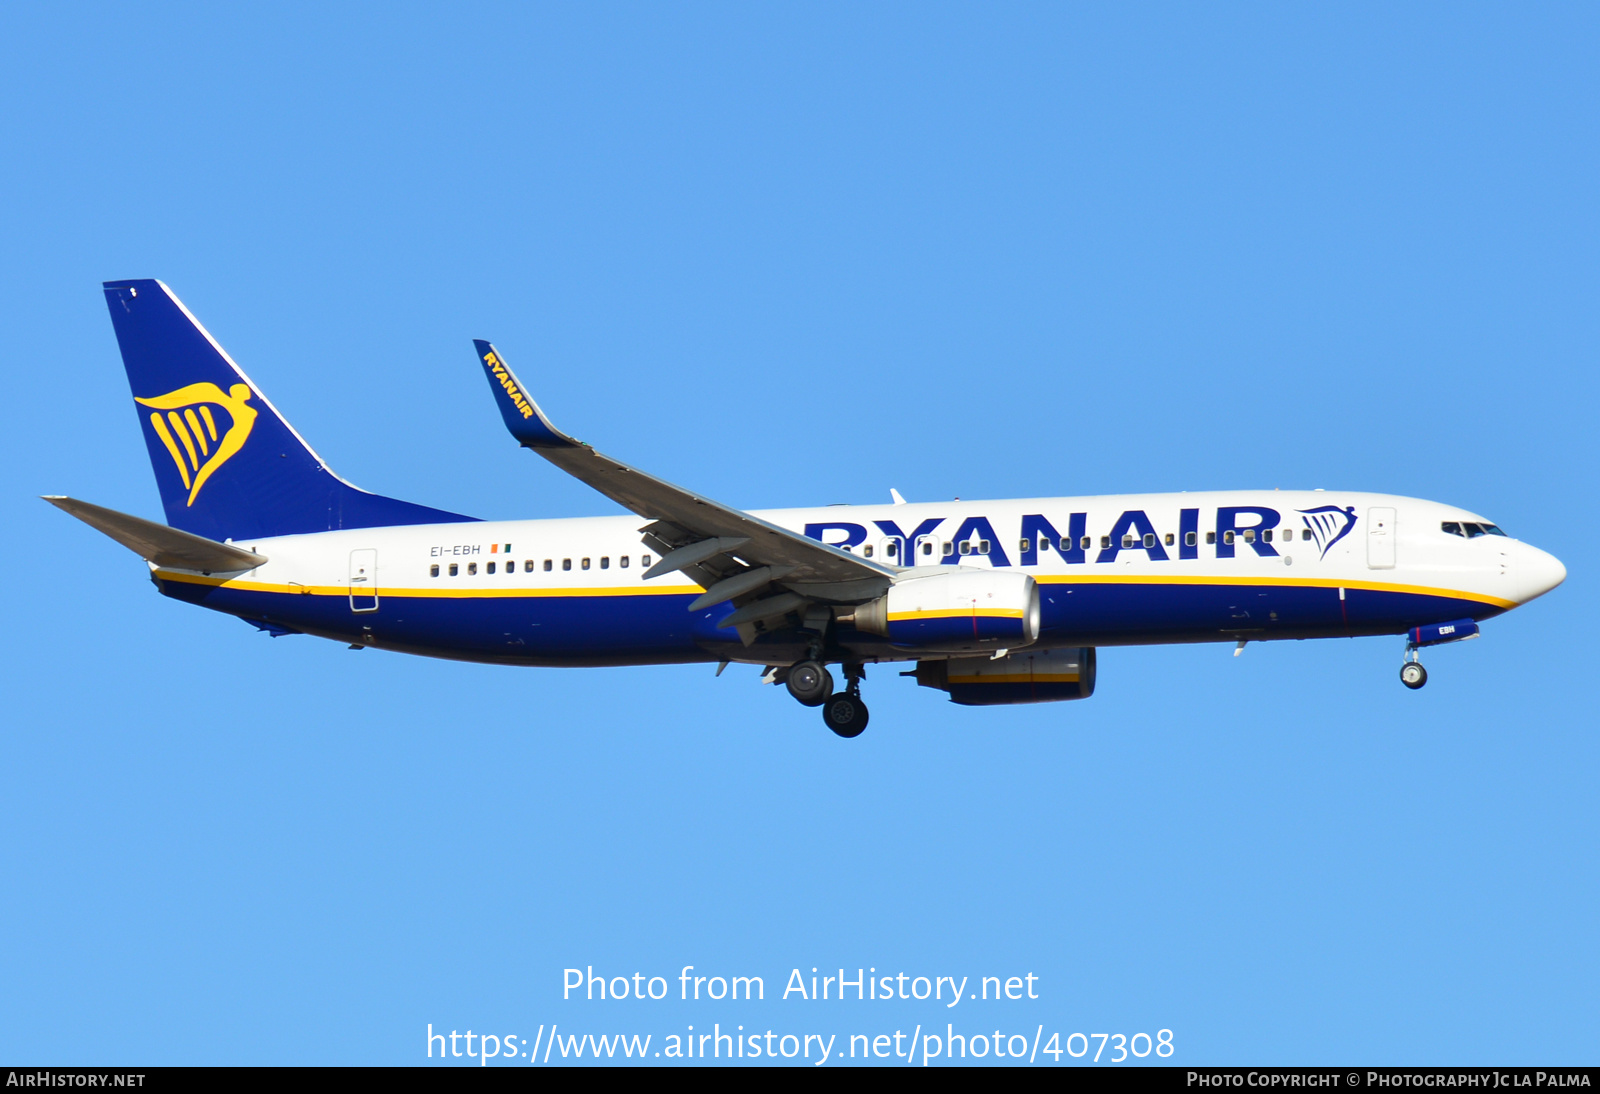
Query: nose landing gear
(1412,674)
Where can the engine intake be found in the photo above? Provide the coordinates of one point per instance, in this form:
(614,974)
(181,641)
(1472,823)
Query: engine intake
(955,611)
(1039,676)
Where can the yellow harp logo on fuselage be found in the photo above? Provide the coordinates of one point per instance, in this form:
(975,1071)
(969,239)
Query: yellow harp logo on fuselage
(189,428)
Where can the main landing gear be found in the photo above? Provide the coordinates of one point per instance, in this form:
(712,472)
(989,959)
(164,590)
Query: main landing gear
(811,684)
(1412,674)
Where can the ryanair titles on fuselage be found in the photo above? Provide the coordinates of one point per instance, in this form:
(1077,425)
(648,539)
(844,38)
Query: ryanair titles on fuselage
(1253,526)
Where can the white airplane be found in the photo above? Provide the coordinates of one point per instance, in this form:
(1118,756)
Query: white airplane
(993,602)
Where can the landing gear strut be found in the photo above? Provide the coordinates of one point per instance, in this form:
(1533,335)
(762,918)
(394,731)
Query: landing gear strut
(846,714)
(1412,674)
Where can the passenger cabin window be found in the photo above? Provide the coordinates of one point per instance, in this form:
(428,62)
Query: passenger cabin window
(983,546)
(966,547)
(644,560)
(927,546)
(1085,543)
(1188,539)
(623,561)
(1149,539)
(605,562)
(1266,536)
(892,548)
(585,564)
(1065,545)
(549,564)
(1249,535)
(433,571)
(866,551)
(949,549)
(566,564)
(527,566)
(1127,540)
(1169,539)
(1211,537)
(1105,543)
(489,568)
(454,569)
(472,568)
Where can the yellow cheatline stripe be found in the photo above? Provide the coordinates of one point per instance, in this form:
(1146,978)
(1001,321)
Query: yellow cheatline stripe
(211,423)
(1272,582)
(1019,678)
(183,435)
(427,593)
(165,434)
(440,593)
(194,427)
(958,613)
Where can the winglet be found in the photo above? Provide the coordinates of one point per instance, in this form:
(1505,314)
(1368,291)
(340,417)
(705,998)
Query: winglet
(524,419)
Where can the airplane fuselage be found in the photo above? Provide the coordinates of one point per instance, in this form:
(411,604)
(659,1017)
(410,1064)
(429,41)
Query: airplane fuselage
(1112,570)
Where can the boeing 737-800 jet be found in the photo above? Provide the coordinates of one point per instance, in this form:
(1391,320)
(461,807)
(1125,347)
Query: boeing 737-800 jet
(993,602)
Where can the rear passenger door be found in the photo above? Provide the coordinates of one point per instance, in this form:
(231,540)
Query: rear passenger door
(364,581)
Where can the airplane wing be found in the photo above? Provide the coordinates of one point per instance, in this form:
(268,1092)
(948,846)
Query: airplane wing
(732,554)
(158,543)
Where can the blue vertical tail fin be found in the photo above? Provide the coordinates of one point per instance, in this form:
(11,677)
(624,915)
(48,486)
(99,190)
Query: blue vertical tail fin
(227,464)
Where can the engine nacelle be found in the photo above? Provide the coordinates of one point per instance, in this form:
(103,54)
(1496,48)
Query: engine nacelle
(1028,676)
(955,611)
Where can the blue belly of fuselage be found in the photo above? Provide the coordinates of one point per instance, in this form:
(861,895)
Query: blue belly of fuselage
(657,629)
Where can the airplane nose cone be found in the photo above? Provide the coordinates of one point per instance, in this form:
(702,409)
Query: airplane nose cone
(1538,572)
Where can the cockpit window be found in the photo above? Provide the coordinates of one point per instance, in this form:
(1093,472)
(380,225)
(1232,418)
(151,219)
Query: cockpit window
(1470,529)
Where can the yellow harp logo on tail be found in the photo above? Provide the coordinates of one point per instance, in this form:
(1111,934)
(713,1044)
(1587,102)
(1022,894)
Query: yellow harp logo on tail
(190,430)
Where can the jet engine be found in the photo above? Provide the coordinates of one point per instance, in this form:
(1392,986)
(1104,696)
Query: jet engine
(954,611)
(1028,676)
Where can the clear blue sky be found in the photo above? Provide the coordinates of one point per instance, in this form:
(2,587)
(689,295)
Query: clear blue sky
(795,255)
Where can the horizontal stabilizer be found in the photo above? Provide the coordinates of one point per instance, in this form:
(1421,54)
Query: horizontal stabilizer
(160,544)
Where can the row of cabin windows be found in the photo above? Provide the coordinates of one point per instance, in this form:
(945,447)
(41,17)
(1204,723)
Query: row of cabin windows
(981,546)
(528,565)
(892,548)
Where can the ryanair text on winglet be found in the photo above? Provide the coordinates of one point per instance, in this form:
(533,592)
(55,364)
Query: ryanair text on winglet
(500,373)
